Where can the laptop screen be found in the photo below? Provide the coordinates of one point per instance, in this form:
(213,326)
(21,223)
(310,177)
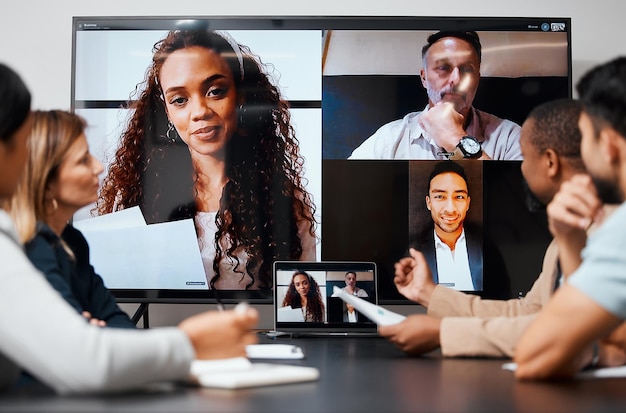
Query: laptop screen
(303,302)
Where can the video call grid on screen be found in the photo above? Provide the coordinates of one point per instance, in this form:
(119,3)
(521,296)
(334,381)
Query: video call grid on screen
(343,81)
(327,275)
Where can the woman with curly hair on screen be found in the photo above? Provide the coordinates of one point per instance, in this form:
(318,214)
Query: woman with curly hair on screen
(304,293)
(210,138)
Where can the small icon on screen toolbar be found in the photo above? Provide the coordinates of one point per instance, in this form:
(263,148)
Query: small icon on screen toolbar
(557,27)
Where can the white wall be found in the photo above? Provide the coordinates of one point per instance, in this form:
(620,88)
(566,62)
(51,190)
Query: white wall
(36,34)
(36,41)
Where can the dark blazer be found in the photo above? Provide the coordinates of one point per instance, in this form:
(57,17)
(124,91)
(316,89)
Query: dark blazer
(345,316)
(474,242)
(75,279)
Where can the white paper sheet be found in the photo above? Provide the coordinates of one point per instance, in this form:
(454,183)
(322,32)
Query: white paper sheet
(125,218)
(289,314)
(376,313)
(128,254)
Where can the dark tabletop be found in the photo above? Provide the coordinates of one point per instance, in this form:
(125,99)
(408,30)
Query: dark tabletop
(356,375)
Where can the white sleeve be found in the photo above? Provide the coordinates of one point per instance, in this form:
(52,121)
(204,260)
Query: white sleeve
(366,150)
(383,144)
(44,335)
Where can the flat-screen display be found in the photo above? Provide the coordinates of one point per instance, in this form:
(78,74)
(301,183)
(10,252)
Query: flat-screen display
(341,78)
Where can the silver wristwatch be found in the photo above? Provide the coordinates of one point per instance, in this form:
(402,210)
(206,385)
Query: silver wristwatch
(468,148)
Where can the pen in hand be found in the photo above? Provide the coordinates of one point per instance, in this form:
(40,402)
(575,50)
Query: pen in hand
(219,303)
(241,307)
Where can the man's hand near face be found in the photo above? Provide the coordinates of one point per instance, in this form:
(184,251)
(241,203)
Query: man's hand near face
(444,125)
(570,213)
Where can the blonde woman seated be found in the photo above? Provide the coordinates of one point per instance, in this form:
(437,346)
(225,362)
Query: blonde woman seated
(62,177)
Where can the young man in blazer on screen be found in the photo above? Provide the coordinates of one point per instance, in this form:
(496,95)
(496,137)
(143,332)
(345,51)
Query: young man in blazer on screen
(452,249)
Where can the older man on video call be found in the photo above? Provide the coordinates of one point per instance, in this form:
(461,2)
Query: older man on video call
(449,127)
(351,287)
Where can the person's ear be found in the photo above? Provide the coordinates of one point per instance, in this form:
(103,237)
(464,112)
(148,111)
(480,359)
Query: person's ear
(428,202)
(612,145)
(50,197)
(423,77)
(553,162)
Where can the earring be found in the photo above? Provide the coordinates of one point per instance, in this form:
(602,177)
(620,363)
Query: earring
(55,204)
(168,134)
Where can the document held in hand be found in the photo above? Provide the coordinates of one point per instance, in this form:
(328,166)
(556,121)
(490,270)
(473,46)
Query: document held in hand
(128,253)
(376,313)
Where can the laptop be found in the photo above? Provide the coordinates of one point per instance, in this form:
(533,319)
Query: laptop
(331,316)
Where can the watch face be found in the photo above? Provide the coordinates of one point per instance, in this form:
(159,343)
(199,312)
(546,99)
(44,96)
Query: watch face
(470,145)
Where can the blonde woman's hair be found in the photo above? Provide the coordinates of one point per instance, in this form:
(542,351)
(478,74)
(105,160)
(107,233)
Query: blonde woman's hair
(53,133)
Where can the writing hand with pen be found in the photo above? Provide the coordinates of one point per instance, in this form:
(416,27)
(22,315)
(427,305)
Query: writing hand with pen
(222,334)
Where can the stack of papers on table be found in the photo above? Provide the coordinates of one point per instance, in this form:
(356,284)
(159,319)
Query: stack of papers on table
(239,372)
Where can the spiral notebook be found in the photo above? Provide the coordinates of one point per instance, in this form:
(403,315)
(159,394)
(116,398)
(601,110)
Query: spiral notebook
(331,316)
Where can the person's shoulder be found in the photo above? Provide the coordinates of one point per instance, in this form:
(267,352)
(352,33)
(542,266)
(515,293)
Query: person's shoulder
(7,227)
(43,240)
(73,237)
(473,231)
(473,227)
(487,118)
(408,119)
(617,211)
(611,227)
(381,143)
(41,250)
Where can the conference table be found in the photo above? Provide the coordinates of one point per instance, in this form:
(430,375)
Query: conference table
(357,374)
